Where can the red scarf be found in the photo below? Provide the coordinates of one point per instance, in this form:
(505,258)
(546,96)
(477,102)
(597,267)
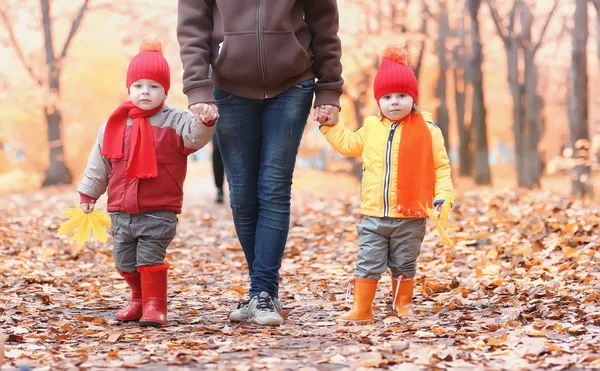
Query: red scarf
(416,172)
(142,157)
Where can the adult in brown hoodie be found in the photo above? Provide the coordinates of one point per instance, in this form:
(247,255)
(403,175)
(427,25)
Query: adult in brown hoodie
(254,64)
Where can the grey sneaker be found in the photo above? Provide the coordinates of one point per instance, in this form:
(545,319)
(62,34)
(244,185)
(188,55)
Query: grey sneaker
(265,310)
(241,313)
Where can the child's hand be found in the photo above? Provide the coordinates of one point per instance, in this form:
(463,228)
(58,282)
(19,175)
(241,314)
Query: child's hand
(327,115)
(205,113)
(321,114)
(438,204)
(87,207)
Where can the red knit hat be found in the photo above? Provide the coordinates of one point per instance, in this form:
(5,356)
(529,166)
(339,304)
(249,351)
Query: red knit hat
(394,74)
(150,64)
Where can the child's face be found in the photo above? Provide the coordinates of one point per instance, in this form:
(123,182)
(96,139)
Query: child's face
(396,106)
(146,94)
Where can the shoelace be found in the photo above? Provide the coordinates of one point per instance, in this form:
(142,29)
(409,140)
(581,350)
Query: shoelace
(243,304)
(399,280)
(265,304)
(349,292)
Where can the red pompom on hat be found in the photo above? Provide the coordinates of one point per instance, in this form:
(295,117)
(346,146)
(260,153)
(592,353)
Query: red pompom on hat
(394,74)
(150,64)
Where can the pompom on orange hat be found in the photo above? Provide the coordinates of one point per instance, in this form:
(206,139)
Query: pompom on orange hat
(394,74)
(150,63)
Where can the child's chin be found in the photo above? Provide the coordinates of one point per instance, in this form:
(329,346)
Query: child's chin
(145,106)
(397,117)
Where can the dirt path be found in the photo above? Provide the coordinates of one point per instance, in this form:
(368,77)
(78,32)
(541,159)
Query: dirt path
(518,292)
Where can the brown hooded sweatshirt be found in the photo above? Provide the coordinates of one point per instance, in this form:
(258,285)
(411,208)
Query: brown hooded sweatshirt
(268,46)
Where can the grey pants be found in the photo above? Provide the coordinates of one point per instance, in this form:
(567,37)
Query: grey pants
(141,239)
(389,242)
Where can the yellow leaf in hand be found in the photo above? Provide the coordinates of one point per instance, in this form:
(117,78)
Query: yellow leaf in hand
(71,224)
(83,231)
(97,227)
(440,221)
(101,217)
(85,224)
(445,212)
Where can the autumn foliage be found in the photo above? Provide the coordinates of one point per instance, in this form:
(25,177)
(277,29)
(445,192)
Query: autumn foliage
(519,290)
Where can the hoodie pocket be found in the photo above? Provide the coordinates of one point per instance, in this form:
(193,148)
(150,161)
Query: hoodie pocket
(238,60)
(284,56)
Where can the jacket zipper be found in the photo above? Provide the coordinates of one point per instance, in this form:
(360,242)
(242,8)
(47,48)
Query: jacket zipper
(261,57)
(388,165)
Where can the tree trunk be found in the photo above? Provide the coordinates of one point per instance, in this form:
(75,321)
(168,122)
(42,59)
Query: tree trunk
(442,118)
(533,133)
(478,118)
(356,162)
(532,163)
(421,54)
(598,32)
(578,103)
(464,131)
(597,6)
(359,104)
(459,54)
(516,92)
(57,172)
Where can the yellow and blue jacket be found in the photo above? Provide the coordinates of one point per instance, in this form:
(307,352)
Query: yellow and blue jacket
(377,142)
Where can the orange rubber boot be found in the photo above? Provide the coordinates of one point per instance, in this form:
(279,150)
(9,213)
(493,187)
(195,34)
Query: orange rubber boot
(402,295)
(364,293)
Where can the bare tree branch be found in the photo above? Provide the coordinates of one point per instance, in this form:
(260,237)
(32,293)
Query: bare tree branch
(513,17)
(47,26)
(17,47)
(74,27)
(497,21)
(545,28)
(427,11)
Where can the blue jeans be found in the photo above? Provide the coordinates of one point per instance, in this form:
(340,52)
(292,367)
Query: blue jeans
(259,141)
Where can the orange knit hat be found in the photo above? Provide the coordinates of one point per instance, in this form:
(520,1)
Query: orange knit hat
(149,63)
(394,74)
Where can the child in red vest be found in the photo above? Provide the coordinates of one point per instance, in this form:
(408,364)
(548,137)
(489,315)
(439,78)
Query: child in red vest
(405,166)
(140,156)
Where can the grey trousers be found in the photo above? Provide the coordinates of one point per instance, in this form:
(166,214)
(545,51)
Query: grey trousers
(389,242)
(141,239)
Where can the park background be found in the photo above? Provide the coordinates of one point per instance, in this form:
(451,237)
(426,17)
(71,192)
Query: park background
(515,87)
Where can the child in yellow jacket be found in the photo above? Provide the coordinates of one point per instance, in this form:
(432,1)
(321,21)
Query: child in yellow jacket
(405,166)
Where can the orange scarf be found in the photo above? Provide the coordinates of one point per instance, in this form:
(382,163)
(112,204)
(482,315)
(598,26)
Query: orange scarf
(416,172)
(142,156)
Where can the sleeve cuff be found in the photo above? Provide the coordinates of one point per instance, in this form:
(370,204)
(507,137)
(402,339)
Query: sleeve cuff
(328,96)
(85,199)
(324,129)
(201,94)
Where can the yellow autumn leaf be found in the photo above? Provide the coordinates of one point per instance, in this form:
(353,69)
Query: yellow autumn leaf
(71,224)
(441,221)
(98,229)
(445,212)
(83,232)
(85,224)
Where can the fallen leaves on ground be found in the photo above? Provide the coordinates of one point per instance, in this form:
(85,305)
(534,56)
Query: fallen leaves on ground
(518,291)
